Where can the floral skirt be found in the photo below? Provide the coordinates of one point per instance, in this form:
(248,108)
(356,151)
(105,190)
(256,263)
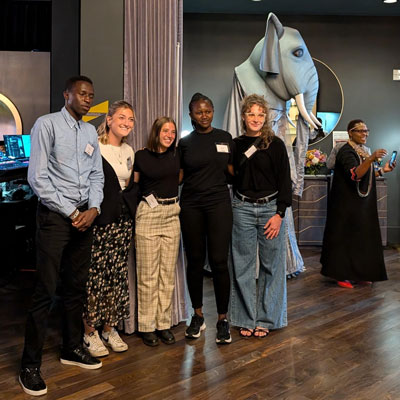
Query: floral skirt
(107,285)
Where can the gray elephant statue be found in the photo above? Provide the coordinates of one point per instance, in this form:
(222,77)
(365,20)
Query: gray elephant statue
(280,68)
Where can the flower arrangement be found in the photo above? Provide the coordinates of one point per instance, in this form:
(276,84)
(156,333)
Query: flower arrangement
(314,162)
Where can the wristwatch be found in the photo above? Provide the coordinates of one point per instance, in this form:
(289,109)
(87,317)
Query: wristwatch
(74,214)
(98,211)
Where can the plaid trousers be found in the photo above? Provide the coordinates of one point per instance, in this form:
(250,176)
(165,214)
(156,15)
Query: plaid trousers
(157,239)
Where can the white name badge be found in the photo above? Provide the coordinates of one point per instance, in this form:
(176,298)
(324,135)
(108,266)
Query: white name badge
(129,163)
(89,149)
(151,200)
(222,148)
(250,151)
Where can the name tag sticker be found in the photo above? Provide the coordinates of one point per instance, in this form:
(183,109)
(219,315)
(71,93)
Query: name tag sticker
(89,149)
(129,163)
(222,147)
(250,151)
(151,200)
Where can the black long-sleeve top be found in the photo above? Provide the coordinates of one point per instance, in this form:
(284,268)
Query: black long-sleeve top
(267,171)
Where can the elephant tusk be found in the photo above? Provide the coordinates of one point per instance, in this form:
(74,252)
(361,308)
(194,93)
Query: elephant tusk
(302,109)
(314,118)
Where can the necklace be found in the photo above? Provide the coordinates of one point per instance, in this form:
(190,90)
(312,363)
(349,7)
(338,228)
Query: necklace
(117,153)
(359,150)
(363,155)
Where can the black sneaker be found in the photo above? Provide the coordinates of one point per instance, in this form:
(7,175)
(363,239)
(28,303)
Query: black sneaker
(197,325)
(166,336)
(81,358)
(31,382)
(223,332)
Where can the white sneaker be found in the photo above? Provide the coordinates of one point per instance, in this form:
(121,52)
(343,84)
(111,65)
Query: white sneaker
(114,341)
(94,344)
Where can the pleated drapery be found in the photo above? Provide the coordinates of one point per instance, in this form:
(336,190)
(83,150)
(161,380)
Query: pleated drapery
(153,63)
(153,85)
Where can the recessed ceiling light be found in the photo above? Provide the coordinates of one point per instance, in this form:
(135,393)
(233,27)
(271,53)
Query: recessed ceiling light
(390,1)
(261,0)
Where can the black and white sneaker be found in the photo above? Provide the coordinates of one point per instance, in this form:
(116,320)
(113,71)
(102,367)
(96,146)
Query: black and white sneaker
(31,382)
(223,332)
(197,325)
(81,358)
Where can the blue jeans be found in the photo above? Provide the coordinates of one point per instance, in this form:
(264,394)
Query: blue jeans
(259,302)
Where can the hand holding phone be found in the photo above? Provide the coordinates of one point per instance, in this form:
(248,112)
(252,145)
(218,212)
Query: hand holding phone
(392,158)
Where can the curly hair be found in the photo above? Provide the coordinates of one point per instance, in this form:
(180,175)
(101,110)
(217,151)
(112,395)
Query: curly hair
(103,128)
(267,133)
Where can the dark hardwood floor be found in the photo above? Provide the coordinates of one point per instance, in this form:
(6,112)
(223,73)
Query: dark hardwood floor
(340,344)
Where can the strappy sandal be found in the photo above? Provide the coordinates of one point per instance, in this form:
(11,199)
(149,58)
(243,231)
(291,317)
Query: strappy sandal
(243,330)
(261,330)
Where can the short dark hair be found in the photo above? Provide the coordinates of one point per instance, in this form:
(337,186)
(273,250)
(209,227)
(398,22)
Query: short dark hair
(70,82)
(154,138)
(353,123)
(197,97)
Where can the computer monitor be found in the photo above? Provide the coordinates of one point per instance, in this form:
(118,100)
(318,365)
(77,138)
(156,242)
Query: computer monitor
(14,146)
(26,139)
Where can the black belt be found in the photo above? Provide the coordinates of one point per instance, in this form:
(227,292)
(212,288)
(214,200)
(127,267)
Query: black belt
(262,200)
(166,202)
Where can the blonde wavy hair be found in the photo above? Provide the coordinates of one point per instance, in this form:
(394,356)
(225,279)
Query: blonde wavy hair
(103,128)
(267,133)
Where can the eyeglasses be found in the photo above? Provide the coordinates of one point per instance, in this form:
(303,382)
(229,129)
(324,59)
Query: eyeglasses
(252,115)
(359,130)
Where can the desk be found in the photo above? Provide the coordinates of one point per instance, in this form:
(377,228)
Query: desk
(19,172)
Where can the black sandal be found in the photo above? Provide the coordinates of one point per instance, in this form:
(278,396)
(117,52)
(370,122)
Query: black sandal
(261,330)
(242,330)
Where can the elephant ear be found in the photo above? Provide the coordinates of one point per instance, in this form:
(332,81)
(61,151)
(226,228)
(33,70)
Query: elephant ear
(270,56)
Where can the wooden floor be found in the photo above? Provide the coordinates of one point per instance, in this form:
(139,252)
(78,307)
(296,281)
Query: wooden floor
(340,344)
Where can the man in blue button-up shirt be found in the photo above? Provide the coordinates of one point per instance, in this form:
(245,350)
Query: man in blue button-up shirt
(65,172)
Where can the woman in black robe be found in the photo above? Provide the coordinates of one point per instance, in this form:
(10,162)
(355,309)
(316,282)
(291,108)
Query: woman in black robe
(352,247)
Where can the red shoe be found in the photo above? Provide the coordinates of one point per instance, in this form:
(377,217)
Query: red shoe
(345,284)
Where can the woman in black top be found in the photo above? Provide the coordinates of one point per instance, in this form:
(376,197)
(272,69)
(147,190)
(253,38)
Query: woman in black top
(206,216)
(262,192)
(157,231)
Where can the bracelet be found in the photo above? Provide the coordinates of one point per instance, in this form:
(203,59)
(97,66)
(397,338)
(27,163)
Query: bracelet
(280,213)
(74,214)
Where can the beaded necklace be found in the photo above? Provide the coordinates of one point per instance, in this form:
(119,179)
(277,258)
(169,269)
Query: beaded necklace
(363,155)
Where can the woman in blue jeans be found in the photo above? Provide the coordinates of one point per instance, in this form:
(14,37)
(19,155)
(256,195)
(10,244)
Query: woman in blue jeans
(262,192)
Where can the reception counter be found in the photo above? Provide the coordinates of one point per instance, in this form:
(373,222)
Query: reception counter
(309,212)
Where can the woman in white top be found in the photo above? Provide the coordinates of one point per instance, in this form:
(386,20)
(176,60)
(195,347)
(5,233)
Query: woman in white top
(107,285)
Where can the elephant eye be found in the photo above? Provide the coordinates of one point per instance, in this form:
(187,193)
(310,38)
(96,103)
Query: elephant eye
(298,52)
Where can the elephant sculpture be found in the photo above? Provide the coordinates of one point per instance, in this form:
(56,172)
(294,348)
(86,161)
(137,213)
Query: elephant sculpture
(280,68)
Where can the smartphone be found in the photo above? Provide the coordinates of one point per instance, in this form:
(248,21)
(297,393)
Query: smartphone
(392,158)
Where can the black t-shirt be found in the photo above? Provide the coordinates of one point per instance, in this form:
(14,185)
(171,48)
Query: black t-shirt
(204,160)
(159,173)
(265,172)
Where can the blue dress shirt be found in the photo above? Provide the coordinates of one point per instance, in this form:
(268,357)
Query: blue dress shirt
(65,166)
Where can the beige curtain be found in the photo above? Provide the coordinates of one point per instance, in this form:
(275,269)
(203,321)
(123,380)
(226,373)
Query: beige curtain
(153,85)
(153,63)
